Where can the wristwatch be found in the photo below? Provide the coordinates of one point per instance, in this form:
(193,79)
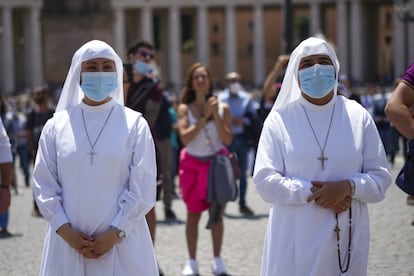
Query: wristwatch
(352,186)
(119,232)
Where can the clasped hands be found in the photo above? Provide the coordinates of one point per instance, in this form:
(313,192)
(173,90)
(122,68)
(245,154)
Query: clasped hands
(210,107)
(334,195)
(91,247)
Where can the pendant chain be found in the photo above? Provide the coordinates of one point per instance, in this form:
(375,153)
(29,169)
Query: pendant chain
(322,158)
(337,229)
(92,153)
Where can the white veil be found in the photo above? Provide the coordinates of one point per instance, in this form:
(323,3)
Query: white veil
(290,90)
(72,93)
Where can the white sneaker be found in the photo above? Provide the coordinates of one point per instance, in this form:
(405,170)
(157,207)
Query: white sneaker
(217,266)
(190,268)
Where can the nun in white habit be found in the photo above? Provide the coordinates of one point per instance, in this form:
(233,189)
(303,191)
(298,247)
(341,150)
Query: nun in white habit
(319,162)
(95,174)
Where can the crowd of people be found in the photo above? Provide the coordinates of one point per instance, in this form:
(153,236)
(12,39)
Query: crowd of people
(23,118)
(119,129)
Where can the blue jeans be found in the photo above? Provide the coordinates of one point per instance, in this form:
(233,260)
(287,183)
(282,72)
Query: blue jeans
(4,219)
(240,147)
(23,152)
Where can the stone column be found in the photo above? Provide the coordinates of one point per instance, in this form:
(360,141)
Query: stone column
(8,85)
(35,47)
(119,32)
(342,38)
(315,16)
(174,50)
(399,47)
(357,39)
(230,40)
(258,46)
(146,24)
(287,26)
(411,34)
(202,35)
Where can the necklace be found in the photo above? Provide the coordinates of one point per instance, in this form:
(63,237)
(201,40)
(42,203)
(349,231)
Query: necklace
(337,230)
(93,152)
(321,158)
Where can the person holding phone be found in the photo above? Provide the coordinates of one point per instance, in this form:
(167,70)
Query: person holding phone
(204,129)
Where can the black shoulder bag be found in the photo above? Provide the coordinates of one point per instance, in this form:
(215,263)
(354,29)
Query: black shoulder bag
(405,178)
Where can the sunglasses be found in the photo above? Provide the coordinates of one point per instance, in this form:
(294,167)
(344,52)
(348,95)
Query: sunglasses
(146,54)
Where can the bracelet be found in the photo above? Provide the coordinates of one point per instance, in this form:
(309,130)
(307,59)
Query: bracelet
(351,184)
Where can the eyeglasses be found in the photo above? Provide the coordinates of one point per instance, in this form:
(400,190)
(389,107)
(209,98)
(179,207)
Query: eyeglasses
(203,77)
(146,54)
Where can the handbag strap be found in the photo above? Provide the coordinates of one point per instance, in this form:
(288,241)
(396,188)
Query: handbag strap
(210,144)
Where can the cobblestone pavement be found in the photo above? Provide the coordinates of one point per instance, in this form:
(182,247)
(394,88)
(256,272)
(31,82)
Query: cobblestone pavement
(392,237)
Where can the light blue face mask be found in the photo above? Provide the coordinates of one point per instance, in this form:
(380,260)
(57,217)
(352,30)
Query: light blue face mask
(235,87)
(317,81)
(97,86)
(142,67)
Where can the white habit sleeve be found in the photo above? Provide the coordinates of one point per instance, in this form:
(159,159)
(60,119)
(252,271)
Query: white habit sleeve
(139,198)
(375,178)
(269,170)
(48,192)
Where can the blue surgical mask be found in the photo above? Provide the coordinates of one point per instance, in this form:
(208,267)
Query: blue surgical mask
(142,67)
(317,81)
(97,86)
(235,87)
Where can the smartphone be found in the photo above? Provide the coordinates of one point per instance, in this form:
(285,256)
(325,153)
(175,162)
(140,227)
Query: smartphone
(208,96)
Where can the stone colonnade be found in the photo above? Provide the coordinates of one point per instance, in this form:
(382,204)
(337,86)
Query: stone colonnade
(351,61)
(350,36)
(33,68)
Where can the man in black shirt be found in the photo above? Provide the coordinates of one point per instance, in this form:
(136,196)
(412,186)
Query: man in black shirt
(144,94)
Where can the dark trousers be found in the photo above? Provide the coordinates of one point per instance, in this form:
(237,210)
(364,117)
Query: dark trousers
(23,152)
(240,147)
(165,153)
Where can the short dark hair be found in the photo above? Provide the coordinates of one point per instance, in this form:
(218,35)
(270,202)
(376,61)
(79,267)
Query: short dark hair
(132,50)
(43,88)
(142,44)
